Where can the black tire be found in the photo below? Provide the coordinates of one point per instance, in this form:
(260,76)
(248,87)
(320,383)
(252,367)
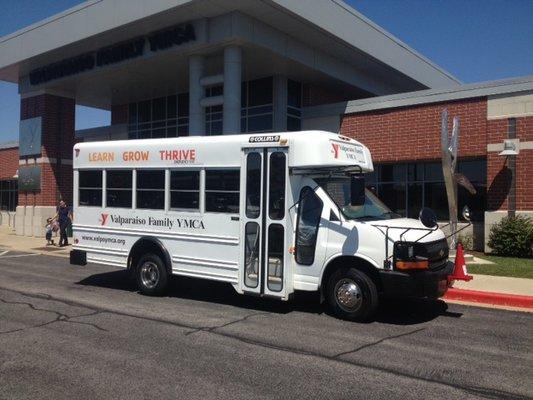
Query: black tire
(151,275)
(358,301)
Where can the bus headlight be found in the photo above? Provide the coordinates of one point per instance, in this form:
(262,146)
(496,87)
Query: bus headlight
(408,256)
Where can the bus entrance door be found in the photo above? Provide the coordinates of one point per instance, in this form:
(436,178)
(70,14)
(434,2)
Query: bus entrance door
(263,211)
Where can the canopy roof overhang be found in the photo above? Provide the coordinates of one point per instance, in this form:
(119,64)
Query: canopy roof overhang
(308,39)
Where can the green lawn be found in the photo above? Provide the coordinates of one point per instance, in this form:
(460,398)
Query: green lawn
(503,266)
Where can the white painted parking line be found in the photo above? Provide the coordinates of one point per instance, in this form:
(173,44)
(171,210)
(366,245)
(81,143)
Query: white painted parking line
(19,255)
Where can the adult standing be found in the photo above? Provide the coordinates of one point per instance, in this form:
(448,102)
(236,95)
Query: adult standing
(64,217)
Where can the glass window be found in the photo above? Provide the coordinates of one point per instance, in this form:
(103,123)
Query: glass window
(415,172)
(293,124)
(159,109)
(213,118)
(392,173)
(276,244)
(145,111)
(222,191)
(8,195)
(393,195)
(132,113)
(260,92)
(183,105)
(474,170)
(172,106)
(415,199)
(309,214)
(294,94)
(435,198)
(257,109)
(251,254)
(185,190)
(408,187)
(158,118)
(90,188)
(433,172)
(253,185)
(119,189)
(294,104)
(151,189)
(260,123)
(276,190)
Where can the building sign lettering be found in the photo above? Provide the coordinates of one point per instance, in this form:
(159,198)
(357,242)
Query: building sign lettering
(160,40)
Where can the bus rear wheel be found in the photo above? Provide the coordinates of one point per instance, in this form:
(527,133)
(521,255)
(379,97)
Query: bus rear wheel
(152,276)
(352,295)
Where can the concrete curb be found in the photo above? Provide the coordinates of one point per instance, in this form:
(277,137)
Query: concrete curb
(499,299)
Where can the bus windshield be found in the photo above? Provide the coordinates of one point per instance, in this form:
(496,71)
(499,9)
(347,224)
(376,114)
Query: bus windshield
(338,189)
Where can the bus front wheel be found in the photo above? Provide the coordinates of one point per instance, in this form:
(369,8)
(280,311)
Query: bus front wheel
(352,295)
(152,276)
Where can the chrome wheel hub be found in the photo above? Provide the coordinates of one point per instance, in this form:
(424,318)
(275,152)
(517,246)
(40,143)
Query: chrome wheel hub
(348,295)
(149,274)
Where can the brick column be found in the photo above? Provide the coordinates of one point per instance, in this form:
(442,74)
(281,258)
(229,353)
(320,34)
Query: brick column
(55,161)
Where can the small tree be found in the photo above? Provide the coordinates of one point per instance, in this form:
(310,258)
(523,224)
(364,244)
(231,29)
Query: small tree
(512,236)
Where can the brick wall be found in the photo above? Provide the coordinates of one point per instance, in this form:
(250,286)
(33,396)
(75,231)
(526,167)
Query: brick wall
(9,162)
(57,141)
(413,133)
(119,114)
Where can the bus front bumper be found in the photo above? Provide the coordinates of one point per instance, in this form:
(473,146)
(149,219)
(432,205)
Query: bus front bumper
(431,283)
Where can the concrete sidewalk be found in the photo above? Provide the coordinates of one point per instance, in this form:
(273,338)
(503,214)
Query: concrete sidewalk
(498,284)
(10,241)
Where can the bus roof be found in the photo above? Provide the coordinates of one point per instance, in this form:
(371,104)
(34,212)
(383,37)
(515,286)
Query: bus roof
(307,150)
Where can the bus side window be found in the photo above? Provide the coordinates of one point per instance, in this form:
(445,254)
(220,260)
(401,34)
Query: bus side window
(222,190)
(90,188)
(151,189)
(309,213)
(119,188)
(185,190)
(276,206)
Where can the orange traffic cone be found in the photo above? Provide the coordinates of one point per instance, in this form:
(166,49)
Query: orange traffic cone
(459,272)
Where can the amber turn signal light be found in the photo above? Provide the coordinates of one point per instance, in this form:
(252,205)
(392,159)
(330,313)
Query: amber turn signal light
(403,265)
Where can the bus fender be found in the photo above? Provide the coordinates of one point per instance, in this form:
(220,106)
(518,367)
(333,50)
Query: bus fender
(145,244)
(366,264)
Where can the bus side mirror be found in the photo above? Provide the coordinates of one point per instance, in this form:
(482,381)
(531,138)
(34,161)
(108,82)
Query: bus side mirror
(428,217)
(357,191)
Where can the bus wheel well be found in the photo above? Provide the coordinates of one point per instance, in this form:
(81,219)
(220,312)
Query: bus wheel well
(350,262)
(148,245)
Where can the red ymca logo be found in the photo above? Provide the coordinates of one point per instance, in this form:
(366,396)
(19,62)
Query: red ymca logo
(103,219)
(335,150)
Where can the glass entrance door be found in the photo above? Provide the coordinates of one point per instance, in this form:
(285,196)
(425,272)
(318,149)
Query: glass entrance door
(263,221)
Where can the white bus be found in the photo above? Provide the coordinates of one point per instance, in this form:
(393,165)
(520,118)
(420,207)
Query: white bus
(270,214)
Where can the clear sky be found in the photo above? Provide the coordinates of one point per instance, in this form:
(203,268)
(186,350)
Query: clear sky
(475,40)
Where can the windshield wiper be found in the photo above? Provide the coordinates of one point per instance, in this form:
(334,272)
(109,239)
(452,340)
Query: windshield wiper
(392,214)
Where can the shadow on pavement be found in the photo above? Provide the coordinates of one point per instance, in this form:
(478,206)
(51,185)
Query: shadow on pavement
(392,311)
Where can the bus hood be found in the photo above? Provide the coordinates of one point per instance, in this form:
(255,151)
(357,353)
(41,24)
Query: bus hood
(408,229)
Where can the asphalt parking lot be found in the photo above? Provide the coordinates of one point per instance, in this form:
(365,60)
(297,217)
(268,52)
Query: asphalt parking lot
(86,333)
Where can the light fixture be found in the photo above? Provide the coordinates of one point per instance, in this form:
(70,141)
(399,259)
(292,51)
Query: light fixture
(511,147)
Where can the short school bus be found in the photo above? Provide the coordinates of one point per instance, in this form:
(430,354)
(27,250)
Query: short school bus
(269,214)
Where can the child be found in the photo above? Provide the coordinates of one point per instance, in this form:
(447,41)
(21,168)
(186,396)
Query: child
(49,228)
